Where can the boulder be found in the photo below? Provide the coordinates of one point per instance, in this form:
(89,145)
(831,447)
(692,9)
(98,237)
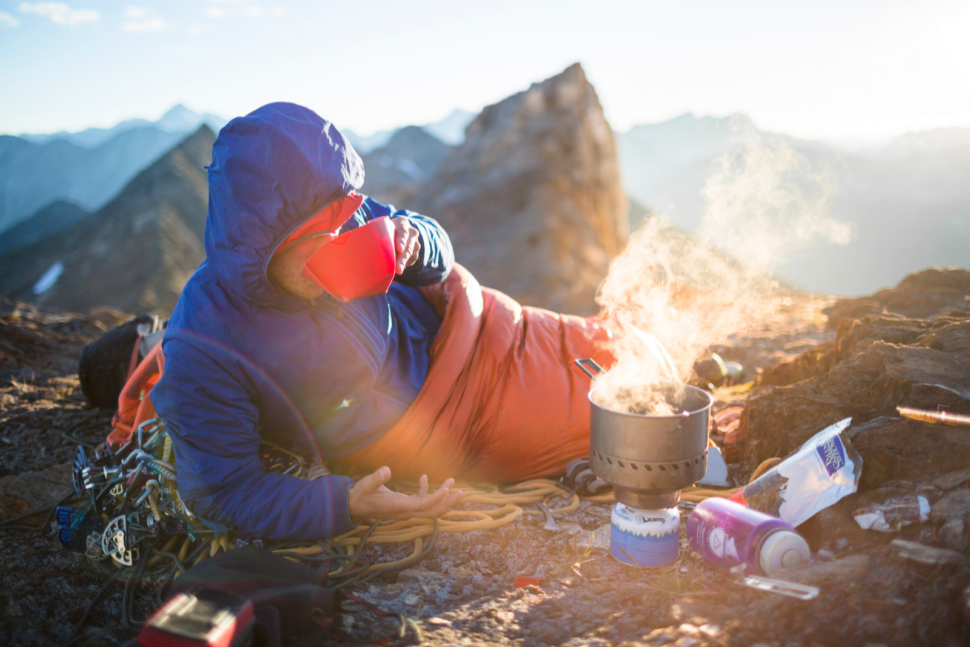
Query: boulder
(920,295)
(897,448)
(874,378)
(875,364)
(532,199)
(812,362)
(855,335)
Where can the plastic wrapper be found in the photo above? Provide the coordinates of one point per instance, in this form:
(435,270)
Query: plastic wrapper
(820,473)
(893,514)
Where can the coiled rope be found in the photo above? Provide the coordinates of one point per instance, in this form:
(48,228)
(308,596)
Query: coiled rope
(510,504)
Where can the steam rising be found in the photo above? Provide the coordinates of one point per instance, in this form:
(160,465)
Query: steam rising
(674,295)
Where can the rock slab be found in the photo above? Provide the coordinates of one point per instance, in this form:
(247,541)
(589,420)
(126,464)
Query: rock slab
(532,199)
(877,363)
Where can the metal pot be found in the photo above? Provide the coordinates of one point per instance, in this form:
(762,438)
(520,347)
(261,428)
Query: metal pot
(650,459)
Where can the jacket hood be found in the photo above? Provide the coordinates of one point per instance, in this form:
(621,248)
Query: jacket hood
(271,171)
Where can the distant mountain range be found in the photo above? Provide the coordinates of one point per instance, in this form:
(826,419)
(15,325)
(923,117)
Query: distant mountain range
(87,168)
(135,253)
(908,202)
(411,156)
(49,221)
(178,119)
(82,179)
(450,130)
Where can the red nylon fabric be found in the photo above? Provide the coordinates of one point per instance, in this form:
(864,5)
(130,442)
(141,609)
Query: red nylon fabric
(502,401)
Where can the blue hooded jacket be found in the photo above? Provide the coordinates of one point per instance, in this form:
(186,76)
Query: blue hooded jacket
(244,360)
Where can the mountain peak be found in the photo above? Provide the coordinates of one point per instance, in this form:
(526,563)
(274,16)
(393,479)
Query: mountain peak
(179,118)
(178,108)
(532,198)
(451,129)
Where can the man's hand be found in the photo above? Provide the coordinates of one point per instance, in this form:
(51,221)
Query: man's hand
(407,243)
(370,499)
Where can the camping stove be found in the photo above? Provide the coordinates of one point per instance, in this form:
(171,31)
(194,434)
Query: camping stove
(649,459)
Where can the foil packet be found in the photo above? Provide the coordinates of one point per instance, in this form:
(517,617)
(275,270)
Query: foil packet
(894,514)
(823,470)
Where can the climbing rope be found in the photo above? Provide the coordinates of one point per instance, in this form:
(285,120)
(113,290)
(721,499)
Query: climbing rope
(510,502)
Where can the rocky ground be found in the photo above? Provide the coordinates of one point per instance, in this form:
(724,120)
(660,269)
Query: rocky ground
(807,370)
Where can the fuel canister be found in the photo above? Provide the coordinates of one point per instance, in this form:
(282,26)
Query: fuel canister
(645,537)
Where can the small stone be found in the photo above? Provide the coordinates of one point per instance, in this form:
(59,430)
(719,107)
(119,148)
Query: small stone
(848,569)
(64,561)
(913,551)
(547,632)
(13,609)
(441,622)
(953,479)
(953,535)
(659,637)
(953,506)
(709,630)
(412,600)
(347,620)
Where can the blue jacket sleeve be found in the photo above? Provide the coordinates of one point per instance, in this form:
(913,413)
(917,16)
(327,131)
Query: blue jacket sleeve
(437,255)
(212,420)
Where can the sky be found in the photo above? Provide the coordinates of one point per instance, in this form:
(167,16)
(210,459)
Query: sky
(821,70)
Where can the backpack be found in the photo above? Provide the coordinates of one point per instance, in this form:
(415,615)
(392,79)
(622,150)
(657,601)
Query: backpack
(119,370)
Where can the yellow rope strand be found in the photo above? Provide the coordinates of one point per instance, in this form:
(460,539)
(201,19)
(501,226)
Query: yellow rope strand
(508,510)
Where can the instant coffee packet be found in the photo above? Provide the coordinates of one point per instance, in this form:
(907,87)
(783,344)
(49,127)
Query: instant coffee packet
(823,470)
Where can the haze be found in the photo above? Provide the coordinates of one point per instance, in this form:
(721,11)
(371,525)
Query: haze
(831,70)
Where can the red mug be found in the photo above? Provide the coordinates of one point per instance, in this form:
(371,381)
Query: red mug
(358,263)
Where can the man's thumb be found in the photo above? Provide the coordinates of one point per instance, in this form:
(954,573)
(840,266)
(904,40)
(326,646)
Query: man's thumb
(373,481)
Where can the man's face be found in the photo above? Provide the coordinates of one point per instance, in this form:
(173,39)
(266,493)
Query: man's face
(285,269)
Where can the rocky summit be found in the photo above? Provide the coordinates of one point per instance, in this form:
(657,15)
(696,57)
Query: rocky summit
(532,199)
(911,586)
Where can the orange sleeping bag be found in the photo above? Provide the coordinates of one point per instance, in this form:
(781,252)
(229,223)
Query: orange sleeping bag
(503,400)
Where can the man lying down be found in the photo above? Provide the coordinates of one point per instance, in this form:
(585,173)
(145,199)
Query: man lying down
(323,318)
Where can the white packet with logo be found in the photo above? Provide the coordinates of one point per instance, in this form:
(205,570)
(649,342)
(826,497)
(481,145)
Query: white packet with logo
(822,471)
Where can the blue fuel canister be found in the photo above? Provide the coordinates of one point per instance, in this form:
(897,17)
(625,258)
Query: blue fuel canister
(645,537)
